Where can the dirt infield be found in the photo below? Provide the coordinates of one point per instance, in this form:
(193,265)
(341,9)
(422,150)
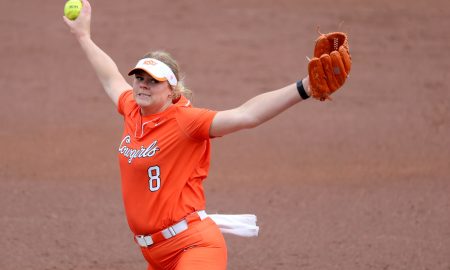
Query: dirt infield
(361,182)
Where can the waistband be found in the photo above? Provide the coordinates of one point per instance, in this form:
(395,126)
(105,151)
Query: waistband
(169,232)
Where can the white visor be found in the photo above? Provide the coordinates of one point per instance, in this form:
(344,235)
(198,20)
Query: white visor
(156,69)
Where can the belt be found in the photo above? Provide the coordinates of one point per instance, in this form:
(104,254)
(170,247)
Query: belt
(148,240)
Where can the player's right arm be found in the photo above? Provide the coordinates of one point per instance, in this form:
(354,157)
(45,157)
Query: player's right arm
(109,75)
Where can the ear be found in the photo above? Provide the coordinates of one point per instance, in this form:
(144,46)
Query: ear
(171,94)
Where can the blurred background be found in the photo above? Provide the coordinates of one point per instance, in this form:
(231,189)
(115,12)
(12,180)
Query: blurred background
(361,182)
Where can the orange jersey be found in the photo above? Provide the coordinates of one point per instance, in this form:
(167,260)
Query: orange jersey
(163,159)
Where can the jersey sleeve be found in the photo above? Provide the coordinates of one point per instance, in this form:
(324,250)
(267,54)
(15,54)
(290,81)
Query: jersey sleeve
(124,99)
(195,122)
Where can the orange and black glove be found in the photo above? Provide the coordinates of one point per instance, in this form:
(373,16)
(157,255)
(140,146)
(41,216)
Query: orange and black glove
(330,66)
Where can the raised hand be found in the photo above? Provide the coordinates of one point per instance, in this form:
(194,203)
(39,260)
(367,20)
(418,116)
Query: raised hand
(81,27)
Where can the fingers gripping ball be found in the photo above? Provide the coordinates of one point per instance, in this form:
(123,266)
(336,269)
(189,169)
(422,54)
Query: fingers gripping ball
(72,9)
(330,66)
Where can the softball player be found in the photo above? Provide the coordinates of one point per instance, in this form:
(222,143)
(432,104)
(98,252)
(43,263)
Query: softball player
(164,152)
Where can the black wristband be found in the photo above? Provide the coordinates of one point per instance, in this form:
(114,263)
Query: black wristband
(301,90)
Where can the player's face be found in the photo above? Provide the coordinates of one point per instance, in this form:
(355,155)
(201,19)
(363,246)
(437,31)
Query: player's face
(151,95)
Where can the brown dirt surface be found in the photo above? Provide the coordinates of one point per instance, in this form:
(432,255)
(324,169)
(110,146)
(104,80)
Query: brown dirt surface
(361,182)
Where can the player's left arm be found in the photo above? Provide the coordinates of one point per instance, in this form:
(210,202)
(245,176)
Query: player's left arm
(257,110)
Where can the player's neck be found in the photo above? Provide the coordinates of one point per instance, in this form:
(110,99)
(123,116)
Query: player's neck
(145,111)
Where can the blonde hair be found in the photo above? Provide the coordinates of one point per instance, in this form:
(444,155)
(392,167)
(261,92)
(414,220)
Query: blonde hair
(167,59)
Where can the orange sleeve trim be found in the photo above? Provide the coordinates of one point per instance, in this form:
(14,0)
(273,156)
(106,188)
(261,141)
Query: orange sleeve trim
(122,99)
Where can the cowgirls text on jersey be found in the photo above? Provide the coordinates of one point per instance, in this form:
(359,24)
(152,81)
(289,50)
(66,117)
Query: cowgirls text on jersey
(132,153)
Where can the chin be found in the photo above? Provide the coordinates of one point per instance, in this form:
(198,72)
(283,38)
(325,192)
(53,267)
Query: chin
(142,101)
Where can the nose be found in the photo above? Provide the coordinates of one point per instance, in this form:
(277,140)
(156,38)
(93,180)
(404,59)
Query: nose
(143,85)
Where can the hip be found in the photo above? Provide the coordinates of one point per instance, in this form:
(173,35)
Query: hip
(201,243)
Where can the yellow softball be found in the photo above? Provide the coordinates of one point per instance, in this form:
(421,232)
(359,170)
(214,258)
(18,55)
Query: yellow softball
(72,9)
